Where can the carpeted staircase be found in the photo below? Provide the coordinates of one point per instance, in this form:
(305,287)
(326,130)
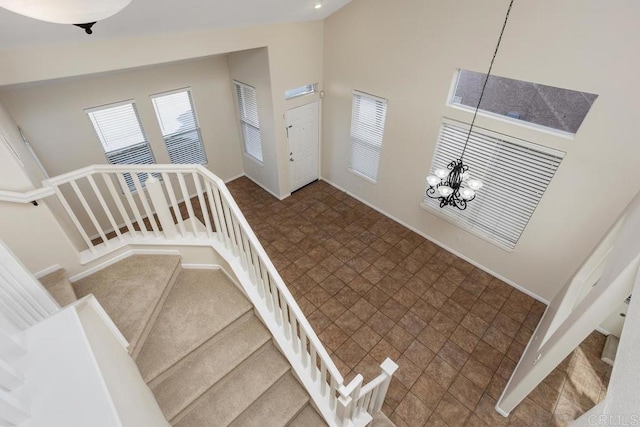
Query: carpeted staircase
(198,344)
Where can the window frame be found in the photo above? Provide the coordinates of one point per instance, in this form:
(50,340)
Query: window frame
(385,103)
(460,222)
(240,108)
(195,118)
(314,89)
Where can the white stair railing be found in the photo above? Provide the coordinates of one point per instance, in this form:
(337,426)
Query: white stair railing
(108,215)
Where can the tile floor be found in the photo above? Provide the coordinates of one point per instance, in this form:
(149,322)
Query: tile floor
(373,289)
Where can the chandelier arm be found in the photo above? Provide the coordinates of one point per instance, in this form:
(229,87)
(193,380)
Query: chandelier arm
(484,86)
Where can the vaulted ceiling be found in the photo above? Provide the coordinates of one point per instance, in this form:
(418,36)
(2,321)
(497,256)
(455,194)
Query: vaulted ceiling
(143,17)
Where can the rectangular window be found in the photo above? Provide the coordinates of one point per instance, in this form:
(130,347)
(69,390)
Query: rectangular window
(179,125)
(300,91)
(122,136)
(547,106)
(248,110)
(515,174)
(367,129)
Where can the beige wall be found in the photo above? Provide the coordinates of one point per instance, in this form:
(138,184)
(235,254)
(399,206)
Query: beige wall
(52,114)
(251,67)
(408,52)
(295,59)
(31,232)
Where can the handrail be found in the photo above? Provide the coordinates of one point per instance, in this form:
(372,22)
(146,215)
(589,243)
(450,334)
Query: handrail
(27,196)
(93,210)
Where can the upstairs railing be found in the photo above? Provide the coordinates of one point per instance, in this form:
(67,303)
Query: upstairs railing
(189,205)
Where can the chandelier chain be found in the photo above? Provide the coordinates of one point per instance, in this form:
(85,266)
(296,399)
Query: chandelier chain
(484,86)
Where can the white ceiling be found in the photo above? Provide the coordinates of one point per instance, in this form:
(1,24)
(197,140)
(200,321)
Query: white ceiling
(164,16)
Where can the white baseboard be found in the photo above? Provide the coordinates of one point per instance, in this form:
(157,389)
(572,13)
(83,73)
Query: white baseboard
(40,274)
(119,257)
(267,190)
(234,177)
(442,245)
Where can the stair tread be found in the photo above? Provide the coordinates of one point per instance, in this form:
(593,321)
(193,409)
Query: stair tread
(200,304)
(228,399)
(59,286)
(308,417)
(129,290)
(199,374)
(276,407)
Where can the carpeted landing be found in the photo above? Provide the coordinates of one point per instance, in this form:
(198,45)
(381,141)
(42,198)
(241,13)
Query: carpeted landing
(207,358)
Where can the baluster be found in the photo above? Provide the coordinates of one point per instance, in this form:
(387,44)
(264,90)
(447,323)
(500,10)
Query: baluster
(214,211)
(294,331)
(203,205)
(187,201)
(159,203)
(174,203)
(236,230)
(333,389)
(256,270)
(283,314)
(303,348)
(132,203)
(104,206)
(224,228)
(89,212)
(372,400)
(145,204)
(74,218)
(323,379)
(314,362)
(232,234)
(116,198)
(267,287)
(246,252)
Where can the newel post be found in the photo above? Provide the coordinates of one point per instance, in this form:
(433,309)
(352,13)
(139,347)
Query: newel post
(345,404)
(389,367)
(160,205)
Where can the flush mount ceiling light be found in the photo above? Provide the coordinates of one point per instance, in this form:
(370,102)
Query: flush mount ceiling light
(318,4)
(82,13)
(454,186)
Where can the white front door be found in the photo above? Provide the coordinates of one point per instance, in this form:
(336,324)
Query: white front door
(303,135)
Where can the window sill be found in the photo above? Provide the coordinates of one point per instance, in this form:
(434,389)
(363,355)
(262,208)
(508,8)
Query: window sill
(452,221)
(360,175)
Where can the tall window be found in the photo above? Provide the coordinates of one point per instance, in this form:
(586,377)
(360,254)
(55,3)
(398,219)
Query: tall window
(367,128)
(248,111)
(179,125)
(515,174)
(121,135)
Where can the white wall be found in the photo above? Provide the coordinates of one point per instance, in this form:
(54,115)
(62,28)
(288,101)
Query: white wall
(251,67)
(408,52)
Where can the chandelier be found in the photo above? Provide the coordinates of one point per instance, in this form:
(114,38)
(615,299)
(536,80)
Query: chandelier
(81,13)
(454,186)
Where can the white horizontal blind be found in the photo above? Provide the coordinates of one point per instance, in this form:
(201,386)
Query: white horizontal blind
(121,135)
(248,109)
(367,129)
(515,174)
(177,118)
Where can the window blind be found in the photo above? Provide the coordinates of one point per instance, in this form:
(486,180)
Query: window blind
(367,129)
(179,125)
(248,110)
(515,174)
(121,135)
